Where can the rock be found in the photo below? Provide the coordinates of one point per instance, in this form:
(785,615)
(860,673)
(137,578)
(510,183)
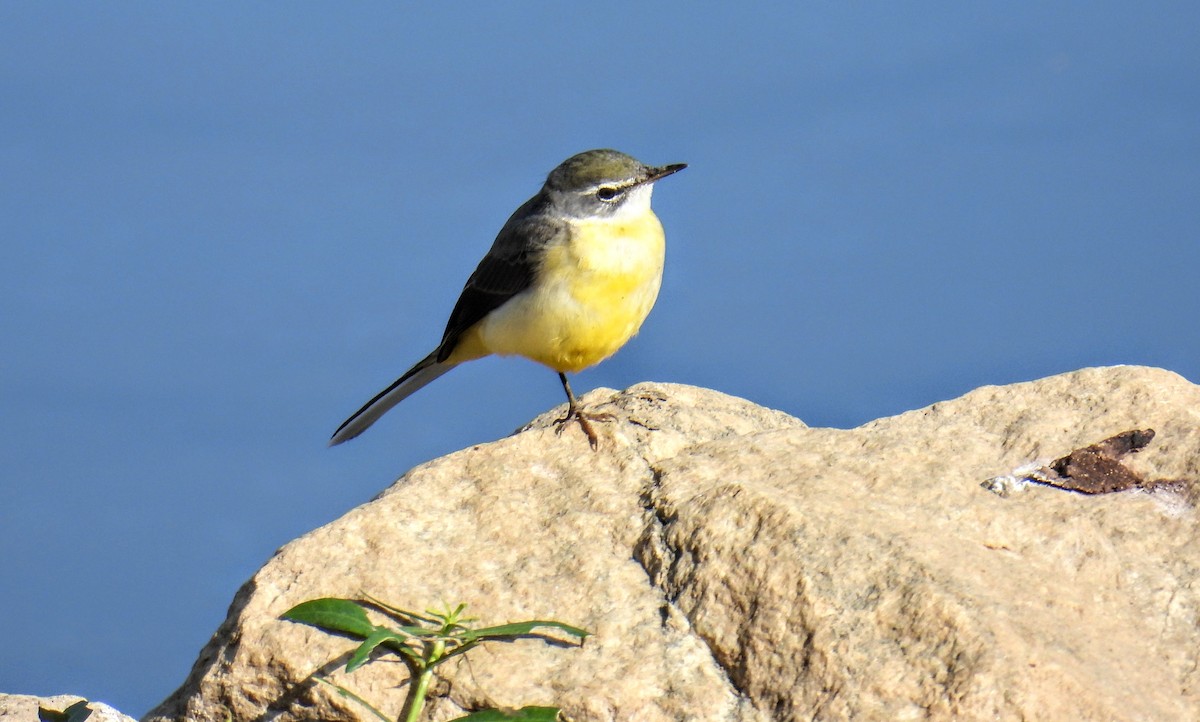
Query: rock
(736,565)
(24,708)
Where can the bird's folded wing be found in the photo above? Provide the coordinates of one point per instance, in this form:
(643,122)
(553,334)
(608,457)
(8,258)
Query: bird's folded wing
(508,268)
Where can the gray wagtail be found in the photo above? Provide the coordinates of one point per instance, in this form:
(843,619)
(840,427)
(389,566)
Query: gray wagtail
(570,278)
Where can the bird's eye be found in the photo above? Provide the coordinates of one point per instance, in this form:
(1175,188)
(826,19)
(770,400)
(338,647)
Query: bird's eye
(608,193)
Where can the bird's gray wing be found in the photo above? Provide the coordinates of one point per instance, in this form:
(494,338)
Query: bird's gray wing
(508,268)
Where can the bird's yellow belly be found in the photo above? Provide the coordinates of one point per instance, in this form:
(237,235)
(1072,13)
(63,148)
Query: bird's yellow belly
(590,298)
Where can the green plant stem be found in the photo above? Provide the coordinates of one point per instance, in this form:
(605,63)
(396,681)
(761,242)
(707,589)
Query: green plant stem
(418,698)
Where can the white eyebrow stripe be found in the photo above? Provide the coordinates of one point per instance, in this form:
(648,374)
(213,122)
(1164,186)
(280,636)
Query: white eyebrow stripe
(620,186)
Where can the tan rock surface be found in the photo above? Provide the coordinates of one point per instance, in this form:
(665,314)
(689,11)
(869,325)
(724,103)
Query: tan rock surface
(24,708)
(737,565)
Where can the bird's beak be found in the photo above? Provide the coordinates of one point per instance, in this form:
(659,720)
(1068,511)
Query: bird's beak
(663,172)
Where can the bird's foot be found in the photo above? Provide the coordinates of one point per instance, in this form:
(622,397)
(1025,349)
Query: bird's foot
(585,423)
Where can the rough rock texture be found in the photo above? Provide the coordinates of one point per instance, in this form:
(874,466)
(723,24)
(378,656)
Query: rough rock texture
(24,708)
(737,565)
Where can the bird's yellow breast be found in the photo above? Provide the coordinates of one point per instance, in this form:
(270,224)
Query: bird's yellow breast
(593,290)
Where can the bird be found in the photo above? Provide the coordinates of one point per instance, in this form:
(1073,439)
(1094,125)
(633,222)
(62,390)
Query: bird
(568,281)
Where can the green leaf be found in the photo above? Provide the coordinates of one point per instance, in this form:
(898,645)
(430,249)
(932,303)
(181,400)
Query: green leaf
(525,714)
(463,649)
(454,617)
(350,695)
(379,636)
(417,631)
(77,712)
(516,629)
(401,615)
(336,615)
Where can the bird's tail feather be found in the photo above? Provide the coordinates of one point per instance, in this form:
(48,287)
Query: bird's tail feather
(426,370)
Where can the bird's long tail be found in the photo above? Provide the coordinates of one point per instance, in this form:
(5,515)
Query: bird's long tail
(426,370)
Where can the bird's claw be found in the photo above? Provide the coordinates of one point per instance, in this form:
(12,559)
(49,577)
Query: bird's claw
(585,423)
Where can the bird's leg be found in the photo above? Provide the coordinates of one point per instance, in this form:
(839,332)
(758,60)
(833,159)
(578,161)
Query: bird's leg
(575,412)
